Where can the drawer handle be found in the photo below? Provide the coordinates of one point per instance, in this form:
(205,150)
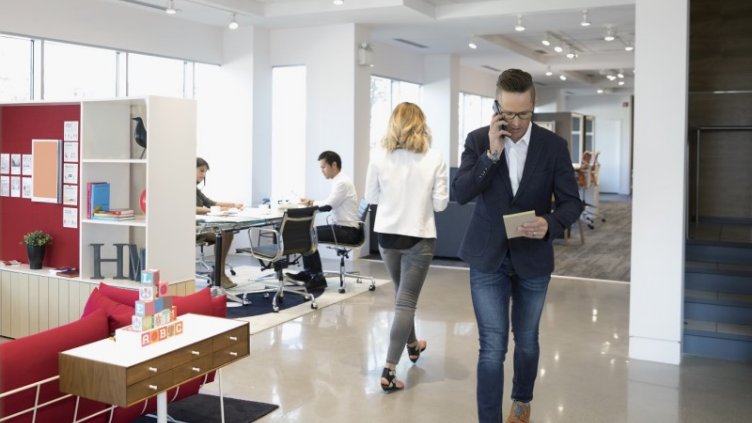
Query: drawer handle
(233,353)
(153,369)
(233,338)
(153,387)
(195,353)
(196,369)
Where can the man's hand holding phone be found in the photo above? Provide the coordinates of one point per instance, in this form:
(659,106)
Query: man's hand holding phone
(496,133)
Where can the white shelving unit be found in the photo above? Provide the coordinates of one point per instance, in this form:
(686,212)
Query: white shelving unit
(166,171)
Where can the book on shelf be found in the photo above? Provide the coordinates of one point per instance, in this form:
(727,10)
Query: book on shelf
(115,213)
(97,197)
(100,216)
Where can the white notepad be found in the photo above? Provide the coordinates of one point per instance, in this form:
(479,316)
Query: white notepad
(513,221)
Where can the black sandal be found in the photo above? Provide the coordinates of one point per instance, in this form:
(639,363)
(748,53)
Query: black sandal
(414,352)
(391,377)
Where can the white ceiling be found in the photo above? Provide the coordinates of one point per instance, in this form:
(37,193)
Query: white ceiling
(446,27)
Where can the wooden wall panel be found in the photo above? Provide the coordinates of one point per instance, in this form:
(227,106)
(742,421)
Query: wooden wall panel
(53,315)
(44,303)
(33,304)
(5,312)
(19,292)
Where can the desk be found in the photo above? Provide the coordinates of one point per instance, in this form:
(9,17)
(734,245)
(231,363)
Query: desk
(248,218)
(106,371)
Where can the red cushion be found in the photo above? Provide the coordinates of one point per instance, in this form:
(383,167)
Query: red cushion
(219,305)
(122,295)
(200,302)
(35,357)
(118,315)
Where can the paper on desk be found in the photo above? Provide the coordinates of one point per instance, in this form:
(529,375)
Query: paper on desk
(514,221)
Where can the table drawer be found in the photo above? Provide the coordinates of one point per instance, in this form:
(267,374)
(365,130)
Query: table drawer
(232,337)
(192,352)
(229,354)
(192,369)
(149,387)
(155,366)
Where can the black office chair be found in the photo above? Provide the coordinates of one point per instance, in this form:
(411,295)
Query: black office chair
(295,236)
(343,250)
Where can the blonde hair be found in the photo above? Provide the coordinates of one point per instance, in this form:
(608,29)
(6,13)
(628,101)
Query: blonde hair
(407,129)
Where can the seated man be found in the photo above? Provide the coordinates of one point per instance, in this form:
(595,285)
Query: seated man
(203,204)
(344,216)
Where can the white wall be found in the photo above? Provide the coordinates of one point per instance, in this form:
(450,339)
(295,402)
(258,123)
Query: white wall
(395,63)
(659,203)
(609,107)
(105,24)
(474,81)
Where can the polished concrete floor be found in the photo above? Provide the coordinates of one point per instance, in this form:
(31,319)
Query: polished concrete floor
(324,366)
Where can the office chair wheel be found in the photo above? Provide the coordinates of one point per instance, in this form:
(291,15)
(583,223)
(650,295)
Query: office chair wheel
(275,309)
(342,290)
(372,287)
(233,272)
(314,306)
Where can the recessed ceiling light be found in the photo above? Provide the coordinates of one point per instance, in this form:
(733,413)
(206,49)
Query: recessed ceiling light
(472,45)
(563,77)
(585,20)
(558,48)
(170,10)
(620,82)
(338,2)
(600,91)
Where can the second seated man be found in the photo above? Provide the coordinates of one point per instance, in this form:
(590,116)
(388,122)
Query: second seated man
(343,201)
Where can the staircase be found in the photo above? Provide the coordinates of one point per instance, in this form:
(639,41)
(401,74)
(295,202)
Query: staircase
(718,300)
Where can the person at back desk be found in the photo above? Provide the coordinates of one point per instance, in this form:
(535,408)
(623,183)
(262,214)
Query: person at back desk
(203,204)
(343,201)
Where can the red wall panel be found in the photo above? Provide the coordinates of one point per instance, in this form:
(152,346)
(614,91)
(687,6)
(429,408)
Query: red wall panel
(18,126)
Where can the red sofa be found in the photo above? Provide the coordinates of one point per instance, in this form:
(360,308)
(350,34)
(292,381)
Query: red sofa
(34,359)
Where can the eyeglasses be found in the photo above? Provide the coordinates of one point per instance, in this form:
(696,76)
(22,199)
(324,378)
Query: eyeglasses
(511,115)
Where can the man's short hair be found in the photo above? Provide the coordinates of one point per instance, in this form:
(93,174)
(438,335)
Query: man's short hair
(331,157)
(515,81)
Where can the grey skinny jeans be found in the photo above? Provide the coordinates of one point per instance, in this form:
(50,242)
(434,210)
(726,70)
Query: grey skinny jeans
(408,269)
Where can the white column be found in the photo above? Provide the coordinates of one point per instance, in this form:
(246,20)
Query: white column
(659,203)
(440,102)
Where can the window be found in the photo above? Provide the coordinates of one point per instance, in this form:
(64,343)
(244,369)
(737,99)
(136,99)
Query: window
(386,94)
(15,72)
(288,135)
(73,71)
(474,112)
(150,75)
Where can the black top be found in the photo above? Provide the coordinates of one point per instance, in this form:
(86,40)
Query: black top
(397,242)
(202,200)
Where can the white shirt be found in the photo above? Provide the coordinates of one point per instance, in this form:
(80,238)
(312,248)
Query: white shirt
(516,156)
(344,201)
(407,187)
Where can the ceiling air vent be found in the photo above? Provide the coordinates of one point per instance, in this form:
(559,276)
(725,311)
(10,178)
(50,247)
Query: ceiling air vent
(410,43)
(541,51)
(491,68)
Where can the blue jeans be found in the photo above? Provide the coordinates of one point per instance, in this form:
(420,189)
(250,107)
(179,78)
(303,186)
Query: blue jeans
(491,293)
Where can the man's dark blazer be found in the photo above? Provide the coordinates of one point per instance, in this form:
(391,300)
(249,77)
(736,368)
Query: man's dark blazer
(548,174)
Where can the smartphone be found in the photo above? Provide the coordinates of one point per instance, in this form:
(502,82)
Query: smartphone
(497,110)
(496,107)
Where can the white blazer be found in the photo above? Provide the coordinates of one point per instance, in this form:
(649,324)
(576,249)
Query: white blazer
(407,187)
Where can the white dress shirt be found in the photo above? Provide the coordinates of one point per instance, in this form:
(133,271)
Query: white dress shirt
(344,201)
(516,156)
(407,187)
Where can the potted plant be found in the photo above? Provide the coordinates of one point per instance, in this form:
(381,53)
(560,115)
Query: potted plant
(36,243)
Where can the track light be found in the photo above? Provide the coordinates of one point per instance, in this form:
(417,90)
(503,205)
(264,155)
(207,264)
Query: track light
(620,75)
(338,2)
(629,47)
(233,22)
(609,35)
(572,53)
(548,71)
(563,77)
(558,48)
(600,91)
(585,20)
(546,42)
(472,45)
(519,27)
(620,82)
(170,10)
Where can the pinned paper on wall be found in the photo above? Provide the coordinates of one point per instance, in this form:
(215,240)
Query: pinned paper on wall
(70,151)
(70,130)
(26,187)
(4,186)
(15,164)
(70,217)
(70,195)
(15,186)
(5,163)
(26,165)
(70,173)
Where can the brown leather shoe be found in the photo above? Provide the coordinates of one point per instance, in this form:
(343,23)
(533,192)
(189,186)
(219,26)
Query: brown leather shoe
(520,413)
